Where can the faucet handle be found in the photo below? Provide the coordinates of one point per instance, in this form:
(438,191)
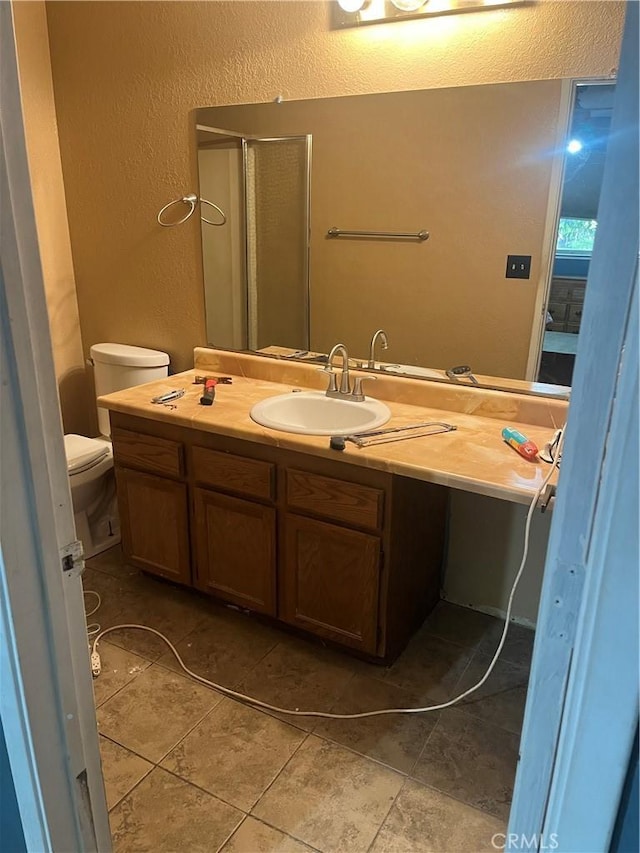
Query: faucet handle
(358,395)
(333,386)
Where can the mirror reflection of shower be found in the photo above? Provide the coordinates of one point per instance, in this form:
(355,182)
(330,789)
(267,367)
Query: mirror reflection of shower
(586,148)
(256,270)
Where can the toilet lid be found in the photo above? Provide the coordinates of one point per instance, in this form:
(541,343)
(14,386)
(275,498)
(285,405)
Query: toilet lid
(83,452)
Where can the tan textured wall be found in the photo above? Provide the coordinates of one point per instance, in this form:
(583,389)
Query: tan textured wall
(43,150)
(126,76)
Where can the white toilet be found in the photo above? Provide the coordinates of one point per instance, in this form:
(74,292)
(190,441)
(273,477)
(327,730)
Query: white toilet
(90,460)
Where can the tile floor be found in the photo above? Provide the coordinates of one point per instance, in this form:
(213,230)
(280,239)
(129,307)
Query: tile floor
(187,769)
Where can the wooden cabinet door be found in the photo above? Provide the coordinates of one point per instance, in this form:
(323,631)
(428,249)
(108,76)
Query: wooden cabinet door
(154,519)
(235,542)
(330,582)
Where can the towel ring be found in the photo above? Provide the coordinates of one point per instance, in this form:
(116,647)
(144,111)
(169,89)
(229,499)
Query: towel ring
(215,207)
(190,199)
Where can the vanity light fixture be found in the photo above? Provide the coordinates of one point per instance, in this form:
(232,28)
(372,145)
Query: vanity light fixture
(354,13)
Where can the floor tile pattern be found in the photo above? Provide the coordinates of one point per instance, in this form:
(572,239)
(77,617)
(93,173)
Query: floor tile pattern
(187,768)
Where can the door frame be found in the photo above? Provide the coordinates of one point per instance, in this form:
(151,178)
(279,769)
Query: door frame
(585,662)
(44,661)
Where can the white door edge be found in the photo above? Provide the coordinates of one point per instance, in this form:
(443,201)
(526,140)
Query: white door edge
(46,697)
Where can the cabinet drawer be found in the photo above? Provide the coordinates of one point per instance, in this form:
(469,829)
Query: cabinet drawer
(567,289)
(250,477)
(575,313)
(335,499)
(560,291)
(558,312)
(159,455)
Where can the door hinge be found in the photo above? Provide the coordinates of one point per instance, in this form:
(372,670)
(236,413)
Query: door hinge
(72,557)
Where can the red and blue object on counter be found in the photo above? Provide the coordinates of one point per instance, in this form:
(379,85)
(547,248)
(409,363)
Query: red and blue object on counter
(524,446)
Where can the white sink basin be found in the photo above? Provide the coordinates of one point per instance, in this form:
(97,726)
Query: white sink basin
(313,413)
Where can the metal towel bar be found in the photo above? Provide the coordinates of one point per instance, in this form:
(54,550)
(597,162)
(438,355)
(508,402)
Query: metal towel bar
(401,235)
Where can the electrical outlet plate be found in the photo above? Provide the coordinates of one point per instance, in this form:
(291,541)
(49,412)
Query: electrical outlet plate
(518,266)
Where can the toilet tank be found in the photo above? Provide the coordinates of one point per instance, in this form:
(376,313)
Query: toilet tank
(119,366)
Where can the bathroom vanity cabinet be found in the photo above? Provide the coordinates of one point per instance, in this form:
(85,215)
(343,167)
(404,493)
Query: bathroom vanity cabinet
(350,554)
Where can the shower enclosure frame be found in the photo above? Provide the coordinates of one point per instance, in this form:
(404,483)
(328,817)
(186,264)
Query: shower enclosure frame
(245,338)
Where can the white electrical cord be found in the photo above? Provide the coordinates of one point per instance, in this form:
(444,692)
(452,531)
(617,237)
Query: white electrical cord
(96,608)
(94,627)
(95,658)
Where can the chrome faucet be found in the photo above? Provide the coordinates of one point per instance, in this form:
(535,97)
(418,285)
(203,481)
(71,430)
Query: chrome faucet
(344,392)
(372,350)
(345,387)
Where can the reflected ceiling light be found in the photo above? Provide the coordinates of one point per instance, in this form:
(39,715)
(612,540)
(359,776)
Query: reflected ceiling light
(574,146)
(352,5)
(408,5)
(354,13)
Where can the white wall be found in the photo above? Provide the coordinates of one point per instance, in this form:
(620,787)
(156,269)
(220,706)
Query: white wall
(485,549)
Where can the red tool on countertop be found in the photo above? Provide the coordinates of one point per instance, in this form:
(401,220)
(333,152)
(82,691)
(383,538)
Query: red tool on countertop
(210,383)
(209,393)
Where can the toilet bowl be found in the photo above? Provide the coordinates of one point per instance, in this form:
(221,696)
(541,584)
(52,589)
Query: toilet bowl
(93,493)
(90,460)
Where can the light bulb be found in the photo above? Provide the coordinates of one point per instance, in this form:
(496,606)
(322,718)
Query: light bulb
(574,146)
(408,5)
(351,5)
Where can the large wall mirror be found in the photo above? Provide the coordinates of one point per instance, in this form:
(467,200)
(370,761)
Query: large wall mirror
(473,166)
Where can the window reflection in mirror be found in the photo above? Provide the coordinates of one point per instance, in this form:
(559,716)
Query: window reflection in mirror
(585,152)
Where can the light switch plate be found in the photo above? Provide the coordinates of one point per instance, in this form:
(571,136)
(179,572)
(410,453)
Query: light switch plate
(518,266)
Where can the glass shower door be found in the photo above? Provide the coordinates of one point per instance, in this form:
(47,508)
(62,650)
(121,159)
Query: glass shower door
(277,200)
